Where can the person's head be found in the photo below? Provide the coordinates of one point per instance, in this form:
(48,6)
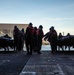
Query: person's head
(6,35)
(68,34)
(22,30)
(15,26)
(35,28)
(60,33)
(30,24)
(51,28)
(40,27)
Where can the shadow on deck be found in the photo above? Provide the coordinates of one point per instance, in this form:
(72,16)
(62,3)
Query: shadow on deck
(65,52)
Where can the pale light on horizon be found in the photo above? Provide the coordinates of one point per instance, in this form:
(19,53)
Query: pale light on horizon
(57,13)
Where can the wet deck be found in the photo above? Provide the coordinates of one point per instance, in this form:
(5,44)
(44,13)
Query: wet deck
(49,64)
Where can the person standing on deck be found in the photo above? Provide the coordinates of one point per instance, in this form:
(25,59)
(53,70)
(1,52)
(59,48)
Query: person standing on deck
(60,35)
(40,35)
(16,35)
(22,38)
(29,38)
(35,39)
(52,38)
(68,34)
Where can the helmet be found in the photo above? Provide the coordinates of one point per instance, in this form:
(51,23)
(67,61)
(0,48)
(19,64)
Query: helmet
(30,24)
(35,28)
(40,26)
(15,26)
(52,27)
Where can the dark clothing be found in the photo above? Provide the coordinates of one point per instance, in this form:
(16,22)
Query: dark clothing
(35,40)
(16,35)
(60,36)
(47,36)
(22,39)
(29,39)
(52,38)
(39,40)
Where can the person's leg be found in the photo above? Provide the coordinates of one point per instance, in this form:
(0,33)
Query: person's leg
(18,43)
(31,43)
(55,46)
(52,48)
(39,47)
(27,47)
(15,42)
(31,48)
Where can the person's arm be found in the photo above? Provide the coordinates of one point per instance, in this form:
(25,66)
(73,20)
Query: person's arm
(46,36)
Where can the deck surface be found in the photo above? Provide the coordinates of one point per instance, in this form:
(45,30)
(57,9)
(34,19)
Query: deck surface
(49,64)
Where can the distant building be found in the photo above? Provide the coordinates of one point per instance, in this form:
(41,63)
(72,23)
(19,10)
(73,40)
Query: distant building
(8,28)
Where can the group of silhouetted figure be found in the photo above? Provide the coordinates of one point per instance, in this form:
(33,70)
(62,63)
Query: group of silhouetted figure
(32,38)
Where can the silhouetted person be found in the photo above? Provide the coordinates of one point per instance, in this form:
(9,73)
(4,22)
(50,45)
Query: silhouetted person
(68,34)
(60,35)
(29,38)
(40,35)
(16,35)
(7,36)
(47,36)
(22,38)
(52,38)
(35,39)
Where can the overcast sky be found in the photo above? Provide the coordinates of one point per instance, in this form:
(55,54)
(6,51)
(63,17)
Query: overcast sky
(57,13)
